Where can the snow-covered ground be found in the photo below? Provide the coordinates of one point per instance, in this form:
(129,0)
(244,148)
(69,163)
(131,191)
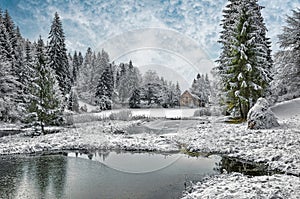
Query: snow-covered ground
(279,148)
(236,185)
(88,136)
(146,113)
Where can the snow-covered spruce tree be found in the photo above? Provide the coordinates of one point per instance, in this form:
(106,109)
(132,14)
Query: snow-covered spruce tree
(244,66)
(45,108)
(151,88)
(73,104)
(57,52)
(230,15)
(8,81)
(135,99)
(201,88)
(127,82)
(84,77)
(90,71)
(105,88)
(100,61)
(164,94)
(176,99)
(11,32)
(75,68)
(289,60)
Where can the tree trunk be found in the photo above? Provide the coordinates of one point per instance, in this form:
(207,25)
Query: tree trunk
(241,109)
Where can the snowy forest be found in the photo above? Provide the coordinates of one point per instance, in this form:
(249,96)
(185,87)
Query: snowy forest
(40,80)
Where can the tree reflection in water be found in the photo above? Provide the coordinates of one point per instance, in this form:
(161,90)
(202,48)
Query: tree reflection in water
(247,168)
(43,177)
(10,176)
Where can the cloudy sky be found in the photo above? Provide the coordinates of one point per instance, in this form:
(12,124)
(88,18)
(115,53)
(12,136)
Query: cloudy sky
(161,34)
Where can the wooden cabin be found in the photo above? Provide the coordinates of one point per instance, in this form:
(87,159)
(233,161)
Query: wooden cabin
(189,99)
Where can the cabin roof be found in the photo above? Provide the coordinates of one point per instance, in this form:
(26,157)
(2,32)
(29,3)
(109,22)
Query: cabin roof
(193,95)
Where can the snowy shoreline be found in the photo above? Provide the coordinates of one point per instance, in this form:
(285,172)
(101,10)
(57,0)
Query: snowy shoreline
(278,148)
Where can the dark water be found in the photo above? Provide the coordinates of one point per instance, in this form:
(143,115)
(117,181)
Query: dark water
(247,168)
(102,175)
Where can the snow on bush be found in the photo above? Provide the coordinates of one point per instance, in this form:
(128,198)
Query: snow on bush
(260,116)
(124,115)
(217,110)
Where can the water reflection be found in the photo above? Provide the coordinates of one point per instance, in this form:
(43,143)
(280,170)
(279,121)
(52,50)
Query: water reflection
(10,176)
(247,168)
(103,174)
(33,177)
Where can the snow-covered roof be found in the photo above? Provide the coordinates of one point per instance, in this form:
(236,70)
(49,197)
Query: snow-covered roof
(193,95)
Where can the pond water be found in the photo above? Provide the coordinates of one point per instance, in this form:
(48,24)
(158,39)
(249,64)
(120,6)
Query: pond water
(102,175)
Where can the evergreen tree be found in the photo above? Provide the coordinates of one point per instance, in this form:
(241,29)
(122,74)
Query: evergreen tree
(177,95)
(8,81)
(73,104)
(288,61)
(130,66)
(10,29)
(45,108)
(75,68)
(84,79)
(135,99)
(151,88)
(123,69)
(105,90)
(201,88)
(127,82)
(16,57)
(57,52)
(245,62)
(80,59)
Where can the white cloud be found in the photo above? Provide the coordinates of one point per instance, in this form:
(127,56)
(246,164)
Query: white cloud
(126,26)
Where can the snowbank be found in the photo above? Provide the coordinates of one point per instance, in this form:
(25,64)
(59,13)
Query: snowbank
(238,186)
(260,116)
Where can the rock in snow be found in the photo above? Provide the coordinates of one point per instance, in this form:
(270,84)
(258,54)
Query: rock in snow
(260,116)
